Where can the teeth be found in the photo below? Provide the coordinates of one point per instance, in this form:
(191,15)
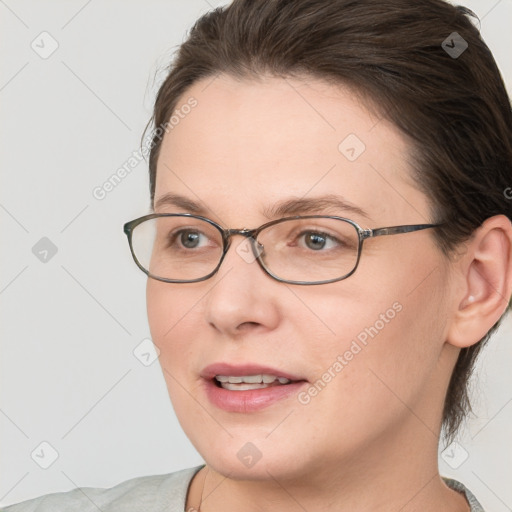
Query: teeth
(243,386)
(252,379)
(263,378)
(249,379)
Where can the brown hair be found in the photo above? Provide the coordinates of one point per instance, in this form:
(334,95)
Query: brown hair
(453,108)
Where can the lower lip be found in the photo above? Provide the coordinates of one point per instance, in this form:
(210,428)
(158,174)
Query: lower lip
(249,400)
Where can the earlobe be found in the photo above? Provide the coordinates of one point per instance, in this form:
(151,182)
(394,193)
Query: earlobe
(486,272)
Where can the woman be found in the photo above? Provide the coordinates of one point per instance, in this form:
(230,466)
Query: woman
(329,250)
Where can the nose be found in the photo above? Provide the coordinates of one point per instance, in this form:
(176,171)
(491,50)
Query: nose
(242,297)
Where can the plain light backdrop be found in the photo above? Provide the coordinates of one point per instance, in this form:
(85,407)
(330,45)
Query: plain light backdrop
(77,83)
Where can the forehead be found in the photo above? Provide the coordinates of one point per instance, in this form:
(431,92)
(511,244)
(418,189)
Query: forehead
(249,141)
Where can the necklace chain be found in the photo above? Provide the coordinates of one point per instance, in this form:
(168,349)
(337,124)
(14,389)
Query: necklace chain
(202,490)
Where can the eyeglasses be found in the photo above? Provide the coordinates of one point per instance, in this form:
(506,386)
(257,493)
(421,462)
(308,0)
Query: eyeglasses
(305,250)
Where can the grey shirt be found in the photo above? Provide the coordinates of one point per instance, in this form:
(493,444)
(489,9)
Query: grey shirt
(155,493)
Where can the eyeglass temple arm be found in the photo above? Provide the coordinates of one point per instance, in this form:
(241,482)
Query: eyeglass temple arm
(393,230)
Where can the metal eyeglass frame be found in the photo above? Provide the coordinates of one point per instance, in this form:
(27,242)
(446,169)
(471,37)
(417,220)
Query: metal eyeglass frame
(251,234)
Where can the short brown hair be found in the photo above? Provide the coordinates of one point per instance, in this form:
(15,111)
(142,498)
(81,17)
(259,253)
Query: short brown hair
(453,108)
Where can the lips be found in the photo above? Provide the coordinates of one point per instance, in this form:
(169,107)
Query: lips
(210,371)
(237,398)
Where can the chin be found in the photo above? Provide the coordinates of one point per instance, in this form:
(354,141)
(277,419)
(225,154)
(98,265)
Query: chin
(277,466)
(256,457)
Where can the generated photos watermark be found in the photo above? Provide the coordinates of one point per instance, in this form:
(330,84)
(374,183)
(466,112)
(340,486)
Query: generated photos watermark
(357,345)
(100,192)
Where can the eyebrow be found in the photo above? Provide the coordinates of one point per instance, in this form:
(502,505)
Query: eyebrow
(329,203)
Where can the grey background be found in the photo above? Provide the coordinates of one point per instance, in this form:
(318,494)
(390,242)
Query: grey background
(70,324)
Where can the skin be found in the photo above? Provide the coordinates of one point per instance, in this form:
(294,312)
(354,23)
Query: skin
(369,440)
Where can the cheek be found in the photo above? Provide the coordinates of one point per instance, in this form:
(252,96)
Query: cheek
(380,355)
(170,310)
(159,311)
(167,304)
(172,317)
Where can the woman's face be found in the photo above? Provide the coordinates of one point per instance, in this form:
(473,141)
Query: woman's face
(370,349)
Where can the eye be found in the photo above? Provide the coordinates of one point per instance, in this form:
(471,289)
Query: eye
(316,240)
(188,238)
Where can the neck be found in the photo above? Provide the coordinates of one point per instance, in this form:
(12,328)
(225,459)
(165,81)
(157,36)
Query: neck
(385,476)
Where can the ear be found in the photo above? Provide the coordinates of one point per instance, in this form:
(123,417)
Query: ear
(486,282)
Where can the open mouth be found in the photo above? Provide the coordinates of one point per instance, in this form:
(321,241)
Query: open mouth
(250,392)
(249,382)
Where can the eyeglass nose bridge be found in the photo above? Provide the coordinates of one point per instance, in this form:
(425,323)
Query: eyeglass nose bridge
(245,232)
(249,234)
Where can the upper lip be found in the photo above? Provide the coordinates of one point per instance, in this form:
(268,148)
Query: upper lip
(210,371)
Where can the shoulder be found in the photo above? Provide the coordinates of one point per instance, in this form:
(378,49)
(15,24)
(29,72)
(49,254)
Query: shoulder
(148,493)
(458,486)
